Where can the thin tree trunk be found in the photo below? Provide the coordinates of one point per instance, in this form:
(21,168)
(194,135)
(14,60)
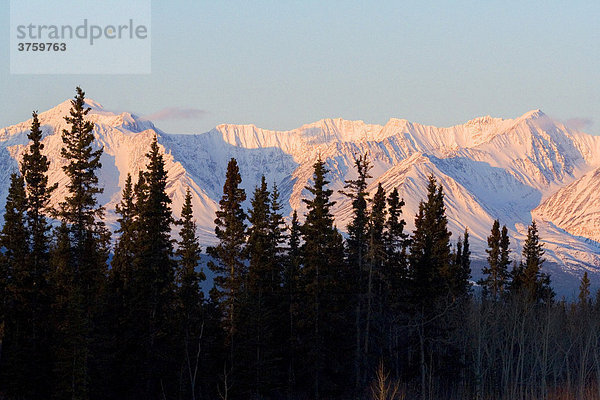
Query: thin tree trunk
(357,353)
(422,361)
(317,338)
(369,314)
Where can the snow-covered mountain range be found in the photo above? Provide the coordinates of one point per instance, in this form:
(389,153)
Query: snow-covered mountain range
(512,169)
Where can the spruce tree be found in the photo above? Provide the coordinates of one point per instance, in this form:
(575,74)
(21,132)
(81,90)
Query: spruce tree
(140,194)
(584,290)
(35,172)
(258,246)
(261,309)
(277,232)
(317,232)
(125,248)
(80,210)
(254,311)
(376,255)
(62,281)
(154,270)
(395,237)
(356,190)
(326,293)
(492,283)
(291,276)
(120,301)
(396,242)
(228,264)
(88,238)
(277,244)
(465,261)
(461,268)
(430,260)
(504,260)
(19,341)
(528,277)
(190,300)
(356,250)
(376,285)
(395,278)
(188,253)
(34,169)
(495,282)
(431,274)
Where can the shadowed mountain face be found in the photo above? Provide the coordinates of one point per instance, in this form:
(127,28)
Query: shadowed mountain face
(512,169)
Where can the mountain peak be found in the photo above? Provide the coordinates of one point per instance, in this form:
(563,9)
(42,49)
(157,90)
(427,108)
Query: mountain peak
(533,114)
(397,122)
(62,109)
(485,120)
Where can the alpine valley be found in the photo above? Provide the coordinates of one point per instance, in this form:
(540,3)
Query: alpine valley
(514,170)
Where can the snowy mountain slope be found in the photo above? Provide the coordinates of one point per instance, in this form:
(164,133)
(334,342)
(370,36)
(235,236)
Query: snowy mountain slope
(489,167)
(576,207)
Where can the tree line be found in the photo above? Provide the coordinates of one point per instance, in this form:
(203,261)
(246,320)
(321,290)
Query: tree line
(297,311)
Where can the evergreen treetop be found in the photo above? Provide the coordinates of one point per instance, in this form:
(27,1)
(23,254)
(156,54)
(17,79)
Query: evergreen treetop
(80,207)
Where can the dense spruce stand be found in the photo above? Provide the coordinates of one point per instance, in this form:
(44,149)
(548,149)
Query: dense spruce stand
(295,310)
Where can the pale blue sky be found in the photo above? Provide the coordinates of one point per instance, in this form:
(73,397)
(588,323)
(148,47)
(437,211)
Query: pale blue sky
(279,64)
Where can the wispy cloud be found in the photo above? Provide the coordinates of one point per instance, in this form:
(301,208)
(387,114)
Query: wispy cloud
(171,113)
(579,123)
